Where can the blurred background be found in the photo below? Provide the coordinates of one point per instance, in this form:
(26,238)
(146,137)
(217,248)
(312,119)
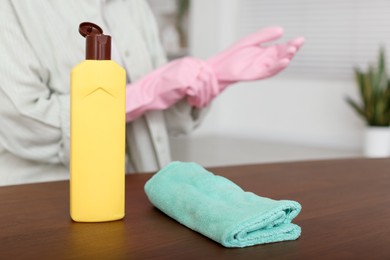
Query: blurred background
(299,114)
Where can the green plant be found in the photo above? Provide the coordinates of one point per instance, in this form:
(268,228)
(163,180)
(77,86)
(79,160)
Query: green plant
(374,90)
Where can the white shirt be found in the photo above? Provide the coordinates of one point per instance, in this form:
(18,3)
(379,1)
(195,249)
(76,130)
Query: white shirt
(39,44)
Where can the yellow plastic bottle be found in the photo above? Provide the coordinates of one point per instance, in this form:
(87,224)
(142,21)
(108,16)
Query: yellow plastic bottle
(97,147)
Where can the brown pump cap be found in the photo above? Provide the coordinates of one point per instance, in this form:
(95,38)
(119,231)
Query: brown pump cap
(98,45)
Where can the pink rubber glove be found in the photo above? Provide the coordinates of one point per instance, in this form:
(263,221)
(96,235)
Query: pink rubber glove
(248,60)
(165,86)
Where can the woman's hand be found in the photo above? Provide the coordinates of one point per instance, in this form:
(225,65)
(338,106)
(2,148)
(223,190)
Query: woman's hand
(249,59)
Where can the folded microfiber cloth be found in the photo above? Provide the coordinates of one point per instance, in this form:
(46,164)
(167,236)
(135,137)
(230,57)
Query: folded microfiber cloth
(219,209)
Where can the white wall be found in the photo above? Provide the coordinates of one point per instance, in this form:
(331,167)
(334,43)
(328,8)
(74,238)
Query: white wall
(295,110)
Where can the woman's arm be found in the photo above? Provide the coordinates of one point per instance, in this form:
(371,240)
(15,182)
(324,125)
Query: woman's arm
(181,118)
(34,120)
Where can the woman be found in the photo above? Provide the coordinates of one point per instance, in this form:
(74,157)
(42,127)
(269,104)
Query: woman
(40,44)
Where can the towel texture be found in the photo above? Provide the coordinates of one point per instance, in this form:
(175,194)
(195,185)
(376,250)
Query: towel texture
(219,209)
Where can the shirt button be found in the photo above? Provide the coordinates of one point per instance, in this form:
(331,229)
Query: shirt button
(127,53)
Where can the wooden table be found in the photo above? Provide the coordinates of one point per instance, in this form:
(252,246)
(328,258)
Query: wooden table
(345,215)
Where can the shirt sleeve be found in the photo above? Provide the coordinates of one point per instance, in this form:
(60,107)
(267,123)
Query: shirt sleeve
(180,118)
(34,118)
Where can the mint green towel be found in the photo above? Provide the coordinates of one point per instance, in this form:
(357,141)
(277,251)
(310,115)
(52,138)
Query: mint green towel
(219,209)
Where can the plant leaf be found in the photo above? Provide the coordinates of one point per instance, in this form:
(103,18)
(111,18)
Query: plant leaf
(356,107)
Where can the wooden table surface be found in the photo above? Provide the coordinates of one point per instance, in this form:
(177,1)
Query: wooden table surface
(345,215)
